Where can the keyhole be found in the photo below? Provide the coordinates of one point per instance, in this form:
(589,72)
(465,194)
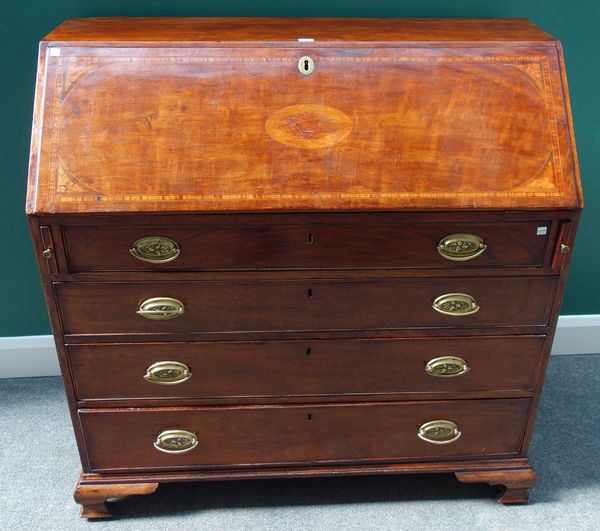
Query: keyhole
(309,416)
(306,65)
(308,351)
(310,238)
(309,293)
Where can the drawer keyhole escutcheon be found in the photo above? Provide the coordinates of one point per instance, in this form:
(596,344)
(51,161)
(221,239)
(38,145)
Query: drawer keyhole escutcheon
(439,432)
(161,308)
(447,367)
(176,441)
(461,247)
(455,304)
(167,373)
(155,249)
(306,65)
(310,238)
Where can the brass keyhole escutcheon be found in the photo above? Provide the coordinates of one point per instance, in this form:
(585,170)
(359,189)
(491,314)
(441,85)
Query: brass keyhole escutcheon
(306,65)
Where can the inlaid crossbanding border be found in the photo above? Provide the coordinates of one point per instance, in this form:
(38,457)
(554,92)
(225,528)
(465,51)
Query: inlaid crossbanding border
(528,64)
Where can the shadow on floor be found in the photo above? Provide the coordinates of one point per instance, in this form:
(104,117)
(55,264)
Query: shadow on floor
(565,452)
(182,498)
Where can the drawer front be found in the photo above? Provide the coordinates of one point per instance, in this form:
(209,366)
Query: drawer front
(107,248)
(301,368)
(110,308)
(272,435)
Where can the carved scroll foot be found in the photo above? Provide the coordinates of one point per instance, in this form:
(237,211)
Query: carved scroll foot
(515,483)
(93,498)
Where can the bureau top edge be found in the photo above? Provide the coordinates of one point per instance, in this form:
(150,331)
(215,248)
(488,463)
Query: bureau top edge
(163,209)
(273,30)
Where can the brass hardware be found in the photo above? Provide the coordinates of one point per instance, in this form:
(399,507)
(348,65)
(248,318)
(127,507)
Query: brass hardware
(564,248)
(167,373)
(47,253)
(176,441)
(161,308)
(306,65)
(456,304)
(447,367)
(439,432)
(155,249)
(460,247)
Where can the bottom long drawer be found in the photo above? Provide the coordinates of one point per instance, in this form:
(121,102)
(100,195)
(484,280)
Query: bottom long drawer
(125,439)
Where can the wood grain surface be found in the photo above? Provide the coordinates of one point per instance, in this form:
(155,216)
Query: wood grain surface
(103,30)
(90,308)
(251,245)
(307,207)
(299,368)
(266,435)
(202,129)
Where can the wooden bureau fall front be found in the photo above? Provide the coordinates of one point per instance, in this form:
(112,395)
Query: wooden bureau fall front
(301,247)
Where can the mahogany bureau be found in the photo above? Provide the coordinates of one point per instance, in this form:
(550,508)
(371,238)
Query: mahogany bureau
(301,247)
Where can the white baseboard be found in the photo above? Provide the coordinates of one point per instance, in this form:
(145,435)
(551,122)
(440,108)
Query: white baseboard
(577,334)
(30,356)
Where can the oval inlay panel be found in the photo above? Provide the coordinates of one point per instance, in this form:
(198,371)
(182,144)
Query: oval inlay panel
(308,126)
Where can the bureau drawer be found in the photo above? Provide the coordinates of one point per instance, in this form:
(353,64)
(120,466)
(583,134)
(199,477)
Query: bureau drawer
(169,248)
(279,306)
(302,368)
(272,435)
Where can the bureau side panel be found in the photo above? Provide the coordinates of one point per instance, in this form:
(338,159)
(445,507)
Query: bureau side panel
(562,262)
(42,242)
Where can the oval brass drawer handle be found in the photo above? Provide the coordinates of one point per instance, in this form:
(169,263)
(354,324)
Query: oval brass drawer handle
(456,304)
(155,249)
(176,441)
(447,367)
(460,247)
(167,373)
(439,432)
(161,308)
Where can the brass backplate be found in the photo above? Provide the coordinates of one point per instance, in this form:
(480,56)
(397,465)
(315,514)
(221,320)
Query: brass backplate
(439,432)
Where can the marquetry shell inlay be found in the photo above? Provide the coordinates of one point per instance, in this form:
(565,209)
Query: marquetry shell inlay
(308,126)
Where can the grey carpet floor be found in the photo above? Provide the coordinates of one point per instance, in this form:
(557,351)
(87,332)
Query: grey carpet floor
(39,467)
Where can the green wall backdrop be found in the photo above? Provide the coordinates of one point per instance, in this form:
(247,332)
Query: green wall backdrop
(574,23)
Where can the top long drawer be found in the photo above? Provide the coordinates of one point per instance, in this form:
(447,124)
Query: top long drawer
(255,247)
